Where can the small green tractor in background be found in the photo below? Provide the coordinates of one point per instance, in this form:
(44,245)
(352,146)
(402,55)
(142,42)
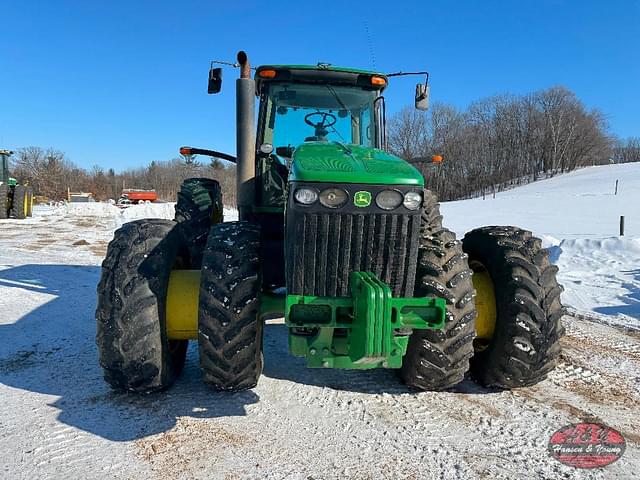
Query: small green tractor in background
(16,201)
(337,236)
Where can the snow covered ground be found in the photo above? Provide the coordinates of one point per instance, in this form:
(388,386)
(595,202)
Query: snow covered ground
(58,419)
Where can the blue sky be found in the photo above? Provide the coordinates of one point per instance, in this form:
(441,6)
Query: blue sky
(121,83)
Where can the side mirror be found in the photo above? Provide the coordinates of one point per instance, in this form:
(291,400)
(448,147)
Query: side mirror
(422,96)
(215,80)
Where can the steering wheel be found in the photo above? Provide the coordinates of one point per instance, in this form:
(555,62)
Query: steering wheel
(326,120)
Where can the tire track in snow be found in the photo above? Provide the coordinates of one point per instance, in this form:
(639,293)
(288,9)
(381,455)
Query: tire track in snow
(625,345)
(66,449)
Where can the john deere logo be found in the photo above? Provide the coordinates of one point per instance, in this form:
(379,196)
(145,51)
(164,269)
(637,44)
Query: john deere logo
(362,199)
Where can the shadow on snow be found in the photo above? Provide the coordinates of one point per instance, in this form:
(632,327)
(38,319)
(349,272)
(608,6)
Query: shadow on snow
(631,299)
(51,350)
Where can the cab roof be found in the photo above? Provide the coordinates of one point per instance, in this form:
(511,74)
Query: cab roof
(322,73)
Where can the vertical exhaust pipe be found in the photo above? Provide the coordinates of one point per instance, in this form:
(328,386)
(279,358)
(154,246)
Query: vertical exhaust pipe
(245,138)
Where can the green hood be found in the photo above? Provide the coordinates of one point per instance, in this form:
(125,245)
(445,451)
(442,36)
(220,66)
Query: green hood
(331,162)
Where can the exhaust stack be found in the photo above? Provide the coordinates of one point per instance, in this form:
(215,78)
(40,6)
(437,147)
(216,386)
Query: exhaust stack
(245,138)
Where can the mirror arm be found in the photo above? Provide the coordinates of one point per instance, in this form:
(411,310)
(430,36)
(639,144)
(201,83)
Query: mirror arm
(406,74)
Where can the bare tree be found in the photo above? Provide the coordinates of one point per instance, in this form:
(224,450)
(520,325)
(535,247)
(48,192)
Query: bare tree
(502,141)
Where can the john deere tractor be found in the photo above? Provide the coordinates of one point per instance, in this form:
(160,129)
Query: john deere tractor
(337,236)
(16,201)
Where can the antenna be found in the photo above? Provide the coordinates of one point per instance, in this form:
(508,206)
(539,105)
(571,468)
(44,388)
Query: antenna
(370,43)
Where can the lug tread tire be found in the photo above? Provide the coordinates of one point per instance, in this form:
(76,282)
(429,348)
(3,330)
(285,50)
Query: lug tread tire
(229,327)
(439,359)
(134,351)
(528,328)
(198,207)
(18,211)
(4,201)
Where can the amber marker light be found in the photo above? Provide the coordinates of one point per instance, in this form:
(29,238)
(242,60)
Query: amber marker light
(437,159)
(267,73)
(375,80)
(185,150)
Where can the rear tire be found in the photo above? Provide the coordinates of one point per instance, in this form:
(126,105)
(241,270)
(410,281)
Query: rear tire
(198,207)
(134,350)
(439,359)
(525,343)
(20,208)
(4,201)
(229,328)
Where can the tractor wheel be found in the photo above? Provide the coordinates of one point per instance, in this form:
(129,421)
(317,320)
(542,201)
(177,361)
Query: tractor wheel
(439,359)
(519,307)
(4,201)
(20,207)
(134,350)
(199,206)
(229,328)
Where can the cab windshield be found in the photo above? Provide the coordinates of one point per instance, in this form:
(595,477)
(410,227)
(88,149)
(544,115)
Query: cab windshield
(298,113)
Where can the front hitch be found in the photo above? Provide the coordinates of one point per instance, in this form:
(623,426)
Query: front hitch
(370,329)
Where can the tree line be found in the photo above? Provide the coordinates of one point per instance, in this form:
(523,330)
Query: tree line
(51,174)
(505,140)
(495,143)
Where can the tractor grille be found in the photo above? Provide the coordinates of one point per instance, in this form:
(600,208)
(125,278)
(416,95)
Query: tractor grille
(322,249)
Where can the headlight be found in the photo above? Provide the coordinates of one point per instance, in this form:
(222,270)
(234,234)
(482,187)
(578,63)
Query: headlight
(412,200)
(305,196)
(333,197)
(389,199)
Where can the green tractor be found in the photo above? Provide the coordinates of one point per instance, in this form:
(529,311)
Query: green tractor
(16,201)
(337,236)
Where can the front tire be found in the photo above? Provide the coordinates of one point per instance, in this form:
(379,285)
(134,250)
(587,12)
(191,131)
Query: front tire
(439,359)
(134,350)
(525,343)
(229,327)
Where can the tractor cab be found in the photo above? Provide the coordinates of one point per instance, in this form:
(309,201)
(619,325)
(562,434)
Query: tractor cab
(319,104)
(301,105)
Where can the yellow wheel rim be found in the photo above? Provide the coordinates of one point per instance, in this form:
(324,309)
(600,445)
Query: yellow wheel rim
(485,305)
(182,304)
(25,210)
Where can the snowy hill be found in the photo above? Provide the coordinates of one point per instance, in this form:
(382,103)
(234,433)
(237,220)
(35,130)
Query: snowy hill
(577,216)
